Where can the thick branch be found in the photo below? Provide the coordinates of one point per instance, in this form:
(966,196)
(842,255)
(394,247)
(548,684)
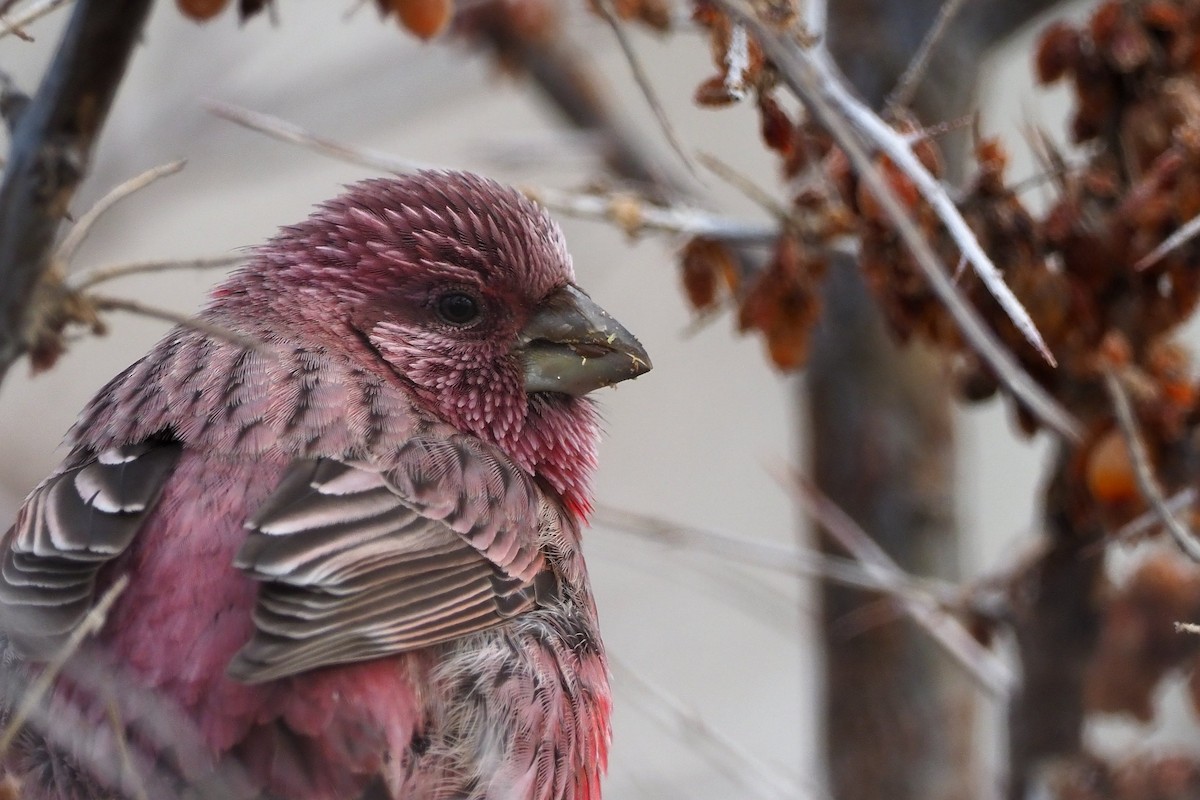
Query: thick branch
(52,145)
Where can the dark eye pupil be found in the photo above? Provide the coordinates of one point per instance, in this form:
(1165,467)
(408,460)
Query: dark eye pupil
(458,309)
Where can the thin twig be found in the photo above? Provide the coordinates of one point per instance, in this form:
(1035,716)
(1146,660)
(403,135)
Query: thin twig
(642,79)
(79,231)
(137,782)
(906,87)
(72,726)
(91,623)
(92,277)
(1152,519)
(1179,238)
(635,216)
(737,62)
(988,670)
(29,15)
(285,131)
(1187,627)
(753,192)
(631,213)
(105,303)
(1143,471)
(755,775)
(764,555)
(7,28)
(812,81)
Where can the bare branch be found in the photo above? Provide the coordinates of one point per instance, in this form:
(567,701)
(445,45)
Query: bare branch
(127,762)
(1179,238)
(1150,520)
(793,561)
(604,7)
(758,777)
(104,303)
(987,669)
(51,148)
(812,81)
(1143,472)
(37,690)
(906,87)
(93,277)
(899,151)
(79,231)
(32,14)
(285,131)
(743,184)
(177,752)
(630,213)
(636,216)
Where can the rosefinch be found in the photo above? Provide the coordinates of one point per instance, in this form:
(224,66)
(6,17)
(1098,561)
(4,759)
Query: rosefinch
(352,549)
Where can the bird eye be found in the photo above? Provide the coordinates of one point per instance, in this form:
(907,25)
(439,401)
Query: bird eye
(457,308)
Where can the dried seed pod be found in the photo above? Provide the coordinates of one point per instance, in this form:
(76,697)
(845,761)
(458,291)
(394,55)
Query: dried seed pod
(1109,471)
(423,18)
(201,10)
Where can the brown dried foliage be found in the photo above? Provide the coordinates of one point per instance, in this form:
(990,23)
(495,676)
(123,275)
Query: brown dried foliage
(1138,643)
(783,303)
(423,18)
(719,89)
(655,14)
(1134,69)
(1144,778)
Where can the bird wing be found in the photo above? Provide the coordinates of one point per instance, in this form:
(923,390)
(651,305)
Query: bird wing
(74,523)
(359,561)
(356,560)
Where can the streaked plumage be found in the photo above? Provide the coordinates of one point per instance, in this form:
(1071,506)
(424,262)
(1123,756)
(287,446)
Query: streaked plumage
(353,551)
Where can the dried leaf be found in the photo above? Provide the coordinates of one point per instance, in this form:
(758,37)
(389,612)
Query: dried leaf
(783,304)
(777,127)
(714,92)
(1058,52)
(708,269)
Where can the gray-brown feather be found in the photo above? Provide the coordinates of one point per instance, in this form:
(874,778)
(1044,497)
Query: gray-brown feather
(358,563)
(74,523)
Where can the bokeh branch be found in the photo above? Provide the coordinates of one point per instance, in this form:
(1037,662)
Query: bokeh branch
(51,148)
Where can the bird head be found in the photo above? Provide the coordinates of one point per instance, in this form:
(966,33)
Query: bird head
(464,288)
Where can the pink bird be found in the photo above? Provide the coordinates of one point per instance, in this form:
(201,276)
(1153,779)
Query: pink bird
(351,532)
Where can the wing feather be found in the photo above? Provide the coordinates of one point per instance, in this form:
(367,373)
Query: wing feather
(78,520)
(356,560)
(359,562)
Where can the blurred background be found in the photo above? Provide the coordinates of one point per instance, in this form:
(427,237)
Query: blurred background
(711,655)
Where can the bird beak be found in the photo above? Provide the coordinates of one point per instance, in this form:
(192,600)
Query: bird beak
(571,345)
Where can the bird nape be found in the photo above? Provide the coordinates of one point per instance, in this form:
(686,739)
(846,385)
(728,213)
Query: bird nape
(338,552)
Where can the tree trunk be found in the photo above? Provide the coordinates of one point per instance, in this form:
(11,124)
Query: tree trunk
(899,716)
